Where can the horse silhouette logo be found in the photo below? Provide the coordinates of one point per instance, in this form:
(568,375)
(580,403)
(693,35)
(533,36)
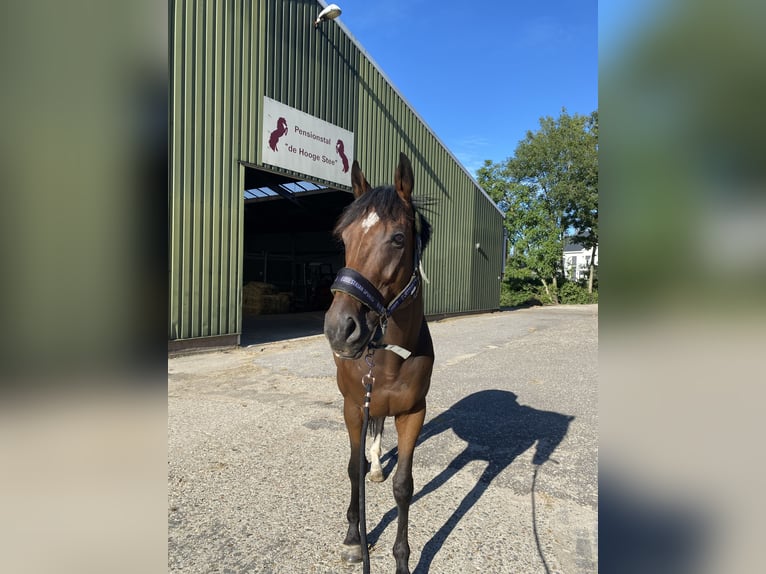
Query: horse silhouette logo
(278,133)
(339,147)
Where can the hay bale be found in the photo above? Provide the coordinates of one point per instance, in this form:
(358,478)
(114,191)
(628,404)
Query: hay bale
(283,302)
(256,288)
(263,298)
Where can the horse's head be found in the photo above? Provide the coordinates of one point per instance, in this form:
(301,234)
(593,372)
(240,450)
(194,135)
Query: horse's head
(379,233)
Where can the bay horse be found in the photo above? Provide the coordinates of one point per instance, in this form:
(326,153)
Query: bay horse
(380,340)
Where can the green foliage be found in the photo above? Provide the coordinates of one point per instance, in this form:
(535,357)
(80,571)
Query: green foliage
(490,177)
(571,293)
(518,290)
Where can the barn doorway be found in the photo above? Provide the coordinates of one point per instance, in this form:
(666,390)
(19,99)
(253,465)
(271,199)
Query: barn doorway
(290,257)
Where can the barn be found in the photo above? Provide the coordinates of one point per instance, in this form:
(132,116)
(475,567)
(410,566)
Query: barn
(267,111)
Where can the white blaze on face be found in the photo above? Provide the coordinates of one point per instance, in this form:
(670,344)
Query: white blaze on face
(371,219)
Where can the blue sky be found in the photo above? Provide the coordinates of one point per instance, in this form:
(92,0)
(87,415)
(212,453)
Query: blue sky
(482,73)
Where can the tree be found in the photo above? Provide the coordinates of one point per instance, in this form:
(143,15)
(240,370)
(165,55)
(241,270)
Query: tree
(549,192)
(584,204)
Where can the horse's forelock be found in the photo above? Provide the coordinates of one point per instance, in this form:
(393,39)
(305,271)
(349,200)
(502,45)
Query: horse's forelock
(389,207)
(383,200)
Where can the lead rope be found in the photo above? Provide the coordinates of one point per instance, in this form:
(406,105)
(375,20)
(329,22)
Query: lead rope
(367,381)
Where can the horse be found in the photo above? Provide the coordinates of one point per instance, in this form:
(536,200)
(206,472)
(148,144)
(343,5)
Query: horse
(340,149)
(380,341)
(278,133)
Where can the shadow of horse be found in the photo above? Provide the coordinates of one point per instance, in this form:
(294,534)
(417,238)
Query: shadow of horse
(496,430)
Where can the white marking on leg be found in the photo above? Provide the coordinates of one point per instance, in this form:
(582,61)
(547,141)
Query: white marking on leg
(376,471)
(371,219)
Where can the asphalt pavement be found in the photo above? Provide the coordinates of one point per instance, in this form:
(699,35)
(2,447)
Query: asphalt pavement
(505,472)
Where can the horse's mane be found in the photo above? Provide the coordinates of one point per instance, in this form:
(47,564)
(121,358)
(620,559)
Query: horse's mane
(389,206)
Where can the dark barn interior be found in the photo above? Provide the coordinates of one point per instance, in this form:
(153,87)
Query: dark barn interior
(290,255)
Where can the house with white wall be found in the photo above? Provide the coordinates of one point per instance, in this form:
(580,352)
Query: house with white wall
(576,260)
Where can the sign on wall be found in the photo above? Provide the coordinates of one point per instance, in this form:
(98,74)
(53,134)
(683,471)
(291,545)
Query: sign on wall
(294,140)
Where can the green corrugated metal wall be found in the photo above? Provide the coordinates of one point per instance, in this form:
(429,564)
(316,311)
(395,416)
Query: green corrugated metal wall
(225,56)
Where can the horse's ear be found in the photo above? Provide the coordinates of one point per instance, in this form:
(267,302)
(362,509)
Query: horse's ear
(403,179)
(359,183)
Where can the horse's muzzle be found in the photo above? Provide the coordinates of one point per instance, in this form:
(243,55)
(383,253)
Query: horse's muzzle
(347,329)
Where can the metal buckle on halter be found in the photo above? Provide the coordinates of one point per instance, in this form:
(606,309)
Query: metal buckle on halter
(383,326)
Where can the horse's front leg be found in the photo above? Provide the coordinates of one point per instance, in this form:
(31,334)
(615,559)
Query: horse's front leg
(352,546)
(408,428)
(376,470)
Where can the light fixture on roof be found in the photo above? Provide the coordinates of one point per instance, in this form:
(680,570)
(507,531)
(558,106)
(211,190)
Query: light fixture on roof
(330,13)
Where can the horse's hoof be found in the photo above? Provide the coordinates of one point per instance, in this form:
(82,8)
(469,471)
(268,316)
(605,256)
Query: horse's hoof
(351,553)
(377,476)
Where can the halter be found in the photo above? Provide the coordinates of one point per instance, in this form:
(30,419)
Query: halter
(353,283)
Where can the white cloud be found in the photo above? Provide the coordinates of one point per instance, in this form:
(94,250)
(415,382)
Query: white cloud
(471,151)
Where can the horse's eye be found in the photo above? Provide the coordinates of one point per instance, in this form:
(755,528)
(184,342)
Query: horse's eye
(398,239)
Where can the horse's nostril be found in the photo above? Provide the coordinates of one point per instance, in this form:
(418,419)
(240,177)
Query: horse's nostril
(351,327)
(342,329)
